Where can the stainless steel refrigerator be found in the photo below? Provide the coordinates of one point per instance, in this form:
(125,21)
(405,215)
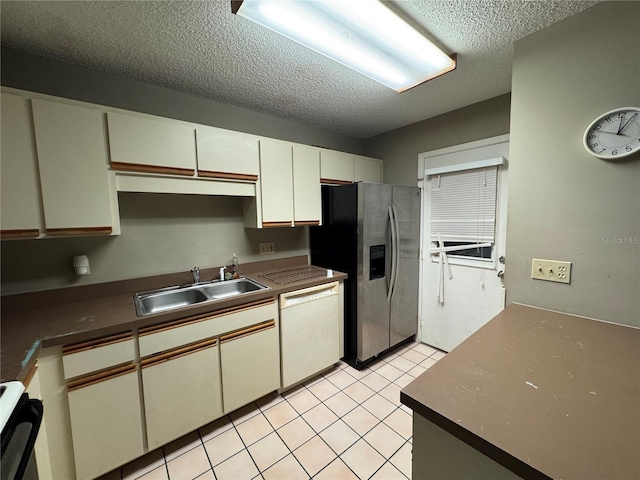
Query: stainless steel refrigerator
(371,232)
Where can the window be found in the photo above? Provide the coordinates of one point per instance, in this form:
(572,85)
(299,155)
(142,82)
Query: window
(463,210)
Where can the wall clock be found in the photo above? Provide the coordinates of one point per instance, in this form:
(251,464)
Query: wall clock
(614,134)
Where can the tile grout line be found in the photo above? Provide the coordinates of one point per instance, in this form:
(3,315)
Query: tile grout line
(207,455)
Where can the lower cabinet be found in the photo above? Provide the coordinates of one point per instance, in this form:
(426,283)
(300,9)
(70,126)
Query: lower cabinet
(181,391)
(106,422)
(250,360)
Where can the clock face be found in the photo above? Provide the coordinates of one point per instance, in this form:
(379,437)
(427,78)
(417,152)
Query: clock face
(614,134)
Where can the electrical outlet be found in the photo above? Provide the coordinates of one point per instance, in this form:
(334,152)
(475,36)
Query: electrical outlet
(551,270)
(267,248)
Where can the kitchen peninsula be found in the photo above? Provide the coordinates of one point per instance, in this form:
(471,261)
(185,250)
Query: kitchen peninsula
(532,394)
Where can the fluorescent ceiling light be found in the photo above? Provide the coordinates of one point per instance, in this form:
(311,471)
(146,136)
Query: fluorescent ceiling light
(364,35)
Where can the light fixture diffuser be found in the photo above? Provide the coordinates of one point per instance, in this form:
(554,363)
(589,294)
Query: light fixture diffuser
(363,35)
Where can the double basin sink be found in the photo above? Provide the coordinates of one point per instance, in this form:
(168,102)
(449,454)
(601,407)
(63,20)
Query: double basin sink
(170,298)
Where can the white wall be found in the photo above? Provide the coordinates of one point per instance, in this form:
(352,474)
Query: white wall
(565,204)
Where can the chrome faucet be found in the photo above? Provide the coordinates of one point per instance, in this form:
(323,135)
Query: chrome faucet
(196,274)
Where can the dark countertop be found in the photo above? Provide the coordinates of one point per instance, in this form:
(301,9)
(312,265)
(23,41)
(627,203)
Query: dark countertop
(38,321)
(542,393)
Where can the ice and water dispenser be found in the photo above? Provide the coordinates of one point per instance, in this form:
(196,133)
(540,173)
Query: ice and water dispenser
(376,262)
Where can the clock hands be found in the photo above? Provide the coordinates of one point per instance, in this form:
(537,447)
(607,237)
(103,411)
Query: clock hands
(614,133)
(622,127)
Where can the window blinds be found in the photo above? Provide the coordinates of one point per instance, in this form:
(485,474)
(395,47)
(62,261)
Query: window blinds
(463,205)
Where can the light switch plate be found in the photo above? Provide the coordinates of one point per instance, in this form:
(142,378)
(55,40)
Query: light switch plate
(551,270)
(267,248)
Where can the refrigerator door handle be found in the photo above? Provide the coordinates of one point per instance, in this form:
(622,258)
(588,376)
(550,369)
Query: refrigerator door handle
(396,250)
(392,277)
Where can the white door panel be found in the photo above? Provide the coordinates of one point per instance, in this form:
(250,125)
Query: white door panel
(475,293)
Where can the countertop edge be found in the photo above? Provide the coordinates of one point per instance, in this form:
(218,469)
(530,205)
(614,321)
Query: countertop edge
(485,447)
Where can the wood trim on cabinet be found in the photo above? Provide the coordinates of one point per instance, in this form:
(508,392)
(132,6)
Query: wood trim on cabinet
(229,176)
(335,182)
(276,224)
(98,342)
(200,318)
(29,376)
(60,232)
(259,327)
(100,377)
(137,167)
(305,223)
(178,352)
(16,234)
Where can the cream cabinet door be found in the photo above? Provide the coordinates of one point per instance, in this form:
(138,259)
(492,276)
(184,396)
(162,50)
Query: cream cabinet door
(250,361)
(307,200)
(367,169)
(181,392)
(21,202)
(106,423)
(227,154)
(336,167)
(276,182)
(151,144)
(79,197)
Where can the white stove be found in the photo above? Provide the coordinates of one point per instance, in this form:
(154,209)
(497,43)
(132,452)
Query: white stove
(10,393)
(20,419)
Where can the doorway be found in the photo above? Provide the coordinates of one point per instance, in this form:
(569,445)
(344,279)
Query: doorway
(463,234)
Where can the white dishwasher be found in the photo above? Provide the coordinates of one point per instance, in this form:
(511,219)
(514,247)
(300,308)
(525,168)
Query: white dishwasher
(310,331)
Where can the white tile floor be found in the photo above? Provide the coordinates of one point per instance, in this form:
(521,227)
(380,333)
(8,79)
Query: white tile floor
(344,424)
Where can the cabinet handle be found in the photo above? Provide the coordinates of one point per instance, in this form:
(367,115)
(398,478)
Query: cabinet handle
(15,234)
(60,232)
(178,352)
(99,342)
(305,223)
(276,224)
(230,176)
(337,182)
(248,331)
(138,167)
(207,316)
(100,377)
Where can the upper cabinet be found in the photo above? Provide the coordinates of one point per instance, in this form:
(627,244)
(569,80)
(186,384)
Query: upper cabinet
(64,161)
(366,169)
(336,167)
(21,201)
(288,191)
(307,200)
(151,144)
(227,154)
(276,183)
(78,192)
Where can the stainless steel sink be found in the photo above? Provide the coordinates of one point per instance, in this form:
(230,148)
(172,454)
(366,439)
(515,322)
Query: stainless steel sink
(232,288)
(170,298)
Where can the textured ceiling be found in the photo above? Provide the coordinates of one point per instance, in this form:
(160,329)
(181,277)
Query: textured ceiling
(199,47)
